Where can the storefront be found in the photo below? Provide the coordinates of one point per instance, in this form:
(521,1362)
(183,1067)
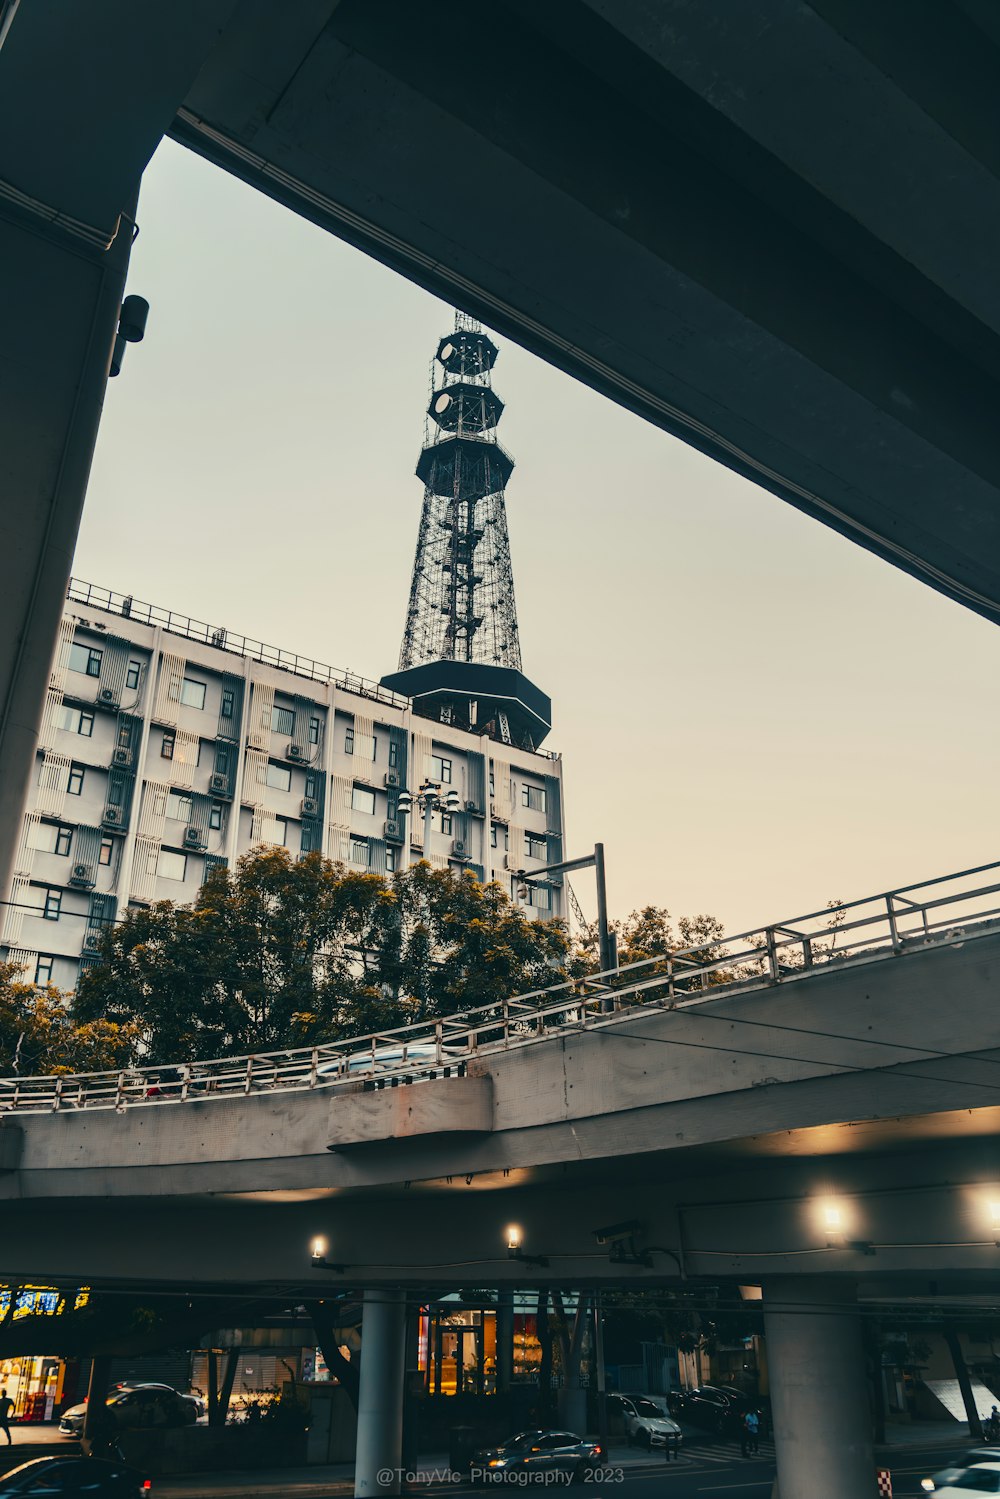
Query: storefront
(457,1349)
(39,1384)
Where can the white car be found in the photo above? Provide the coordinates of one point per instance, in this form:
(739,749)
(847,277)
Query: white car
(646,1425)
(423,1055)
(959,1483)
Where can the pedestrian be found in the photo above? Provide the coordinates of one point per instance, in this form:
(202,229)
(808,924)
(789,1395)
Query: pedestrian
(991,1426)
(6,1410)
(750,1434)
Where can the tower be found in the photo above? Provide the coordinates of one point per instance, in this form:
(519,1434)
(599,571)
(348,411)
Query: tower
(460,660)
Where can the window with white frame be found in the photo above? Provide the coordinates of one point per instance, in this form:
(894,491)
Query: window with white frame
(279,777)
(179,806)
(85,659)
(535,798)
(107,849)
(76,720)
(363,799)
(168,865)
(215,816)
(282,720)
(390,859)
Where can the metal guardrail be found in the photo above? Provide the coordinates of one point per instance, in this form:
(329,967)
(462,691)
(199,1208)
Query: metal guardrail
(953,907)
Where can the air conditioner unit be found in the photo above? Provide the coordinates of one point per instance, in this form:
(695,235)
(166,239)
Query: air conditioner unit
(122,757)
(392,779)
(295,752)
(82,876)
(108,695)
(194,838)
(310,806)
(393,831)
(113,817)
(459,848)
(218,784)
(92,942)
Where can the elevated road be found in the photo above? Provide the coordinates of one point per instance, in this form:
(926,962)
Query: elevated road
(718,1106)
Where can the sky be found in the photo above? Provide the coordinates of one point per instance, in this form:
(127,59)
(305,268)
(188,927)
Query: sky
(756,716)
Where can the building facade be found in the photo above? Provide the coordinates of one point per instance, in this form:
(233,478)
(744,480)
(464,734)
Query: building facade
(168,747)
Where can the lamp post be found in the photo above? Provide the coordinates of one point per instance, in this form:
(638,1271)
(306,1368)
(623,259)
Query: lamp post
(430,798)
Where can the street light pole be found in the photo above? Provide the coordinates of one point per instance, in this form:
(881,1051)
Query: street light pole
(602,1399)
(607,942)
(429,799)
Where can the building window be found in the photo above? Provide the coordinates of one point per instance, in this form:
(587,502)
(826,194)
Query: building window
(278,776)
(193,693)
(280,839)
(52,906)
(540,897)
(64,841)
(179,806)
(499,836)
(215,816)
(390,859)
(306,841)
(492,784)
(441,769)
(536,846)
(222,761)
(282,721)
(535,798)
(86,659)
(228,709)
(77,721)
(312,786)
(314,728)
(393,754)
(349,741)
(132,675)
(169,865)
(167,745)
(446,824)
(363,799)
(75,784)
(43,970)
(124,736)
(359,851)
(107,847)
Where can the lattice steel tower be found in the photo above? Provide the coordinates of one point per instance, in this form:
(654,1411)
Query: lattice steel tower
(460,660)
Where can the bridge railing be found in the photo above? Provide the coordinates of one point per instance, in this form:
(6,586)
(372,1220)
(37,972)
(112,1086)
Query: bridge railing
(951,908)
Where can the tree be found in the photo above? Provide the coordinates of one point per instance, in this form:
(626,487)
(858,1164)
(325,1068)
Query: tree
(279,953)
(38,1032)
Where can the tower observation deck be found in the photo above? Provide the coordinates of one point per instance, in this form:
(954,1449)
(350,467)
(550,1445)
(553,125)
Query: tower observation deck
(460,660)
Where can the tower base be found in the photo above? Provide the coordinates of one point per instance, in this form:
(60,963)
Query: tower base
(493,700)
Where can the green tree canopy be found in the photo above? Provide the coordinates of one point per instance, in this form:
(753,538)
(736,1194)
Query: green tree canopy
(39,1034)
(280,952)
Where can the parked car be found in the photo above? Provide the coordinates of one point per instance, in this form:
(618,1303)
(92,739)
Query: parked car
(539,1452)
(88,1477)
(977,1478)
(976,1456)
(646,1424)
(137,1405)
(718,1408)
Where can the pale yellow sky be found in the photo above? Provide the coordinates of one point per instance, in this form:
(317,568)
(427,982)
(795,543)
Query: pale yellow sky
(756,716)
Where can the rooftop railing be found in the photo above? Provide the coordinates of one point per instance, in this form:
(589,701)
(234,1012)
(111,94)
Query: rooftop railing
(955,907)
(223,639)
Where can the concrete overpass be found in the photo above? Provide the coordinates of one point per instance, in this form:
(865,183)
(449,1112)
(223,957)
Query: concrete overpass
(770,228)
(813,1111)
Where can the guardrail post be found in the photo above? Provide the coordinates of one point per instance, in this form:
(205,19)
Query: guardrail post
(671,991)
(248,1080)
(120,1090)
(57,1094)
(438,1042)
(807,952)
(506,1023)
(314,1067)
(893,929)
(772,954)
(185,1082)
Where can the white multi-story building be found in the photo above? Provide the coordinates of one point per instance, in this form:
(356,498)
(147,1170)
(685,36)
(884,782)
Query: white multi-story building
(168,747)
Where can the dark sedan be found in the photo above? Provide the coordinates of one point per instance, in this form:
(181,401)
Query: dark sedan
(539,1452)
(718,1408)
(88,1477)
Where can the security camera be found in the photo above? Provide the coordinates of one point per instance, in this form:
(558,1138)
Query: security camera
(617,1231)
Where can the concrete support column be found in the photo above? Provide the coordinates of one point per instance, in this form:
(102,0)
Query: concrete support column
(819,1392)
(505,1340)
(380,1400)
